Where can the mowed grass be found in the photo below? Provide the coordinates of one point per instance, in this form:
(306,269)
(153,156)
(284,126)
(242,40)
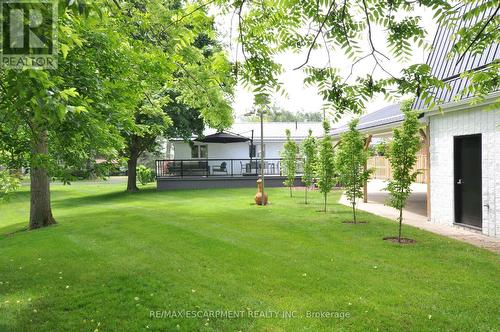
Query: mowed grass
(115,257)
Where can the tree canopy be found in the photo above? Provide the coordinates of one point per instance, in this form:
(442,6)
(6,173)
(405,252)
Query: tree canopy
(115,60)
(362,30)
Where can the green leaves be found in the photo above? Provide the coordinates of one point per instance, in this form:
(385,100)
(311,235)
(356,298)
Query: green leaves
(8,184)
(309,155)
(375,33)
(289,156)
(325,163)
(403,155)
(67,93)
(145,175)
(350,162)
(482,83)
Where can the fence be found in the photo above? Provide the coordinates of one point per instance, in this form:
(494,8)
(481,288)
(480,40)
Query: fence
(220,167)
(382,168)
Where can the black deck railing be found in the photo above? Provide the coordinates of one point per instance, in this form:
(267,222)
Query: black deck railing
(219,167)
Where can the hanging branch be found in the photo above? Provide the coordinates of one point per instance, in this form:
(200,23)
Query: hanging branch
(476,38)
(316,36)
(189,13)
(370,40)
(240,27)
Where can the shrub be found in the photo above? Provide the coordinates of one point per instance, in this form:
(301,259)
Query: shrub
(8,184)
(144,175)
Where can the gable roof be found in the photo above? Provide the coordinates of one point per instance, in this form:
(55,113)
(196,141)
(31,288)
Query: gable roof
(387,116)
(449,69)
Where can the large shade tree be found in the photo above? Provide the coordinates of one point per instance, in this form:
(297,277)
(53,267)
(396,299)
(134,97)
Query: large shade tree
(57,120)
(60,120)
(197,75)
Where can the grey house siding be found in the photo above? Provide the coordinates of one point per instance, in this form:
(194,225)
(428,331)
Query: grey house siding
(220,182)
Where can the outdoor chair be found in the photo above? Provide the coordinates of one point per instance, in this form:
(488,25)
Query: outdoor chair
(220,169)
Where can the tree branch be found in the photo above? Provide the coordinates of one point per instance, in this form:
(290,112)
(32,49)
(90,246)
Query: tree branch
(117,4)
(240,27)
(189,13)
(372,46)
(316,36)
(478,35)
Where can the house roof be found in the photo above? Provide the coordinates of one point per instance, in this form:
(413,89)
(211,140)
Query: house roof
(387,116)
(449,69)
(273,131)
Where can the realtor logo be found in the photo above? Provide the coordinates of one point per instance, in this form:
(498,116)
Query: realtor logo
(28,34)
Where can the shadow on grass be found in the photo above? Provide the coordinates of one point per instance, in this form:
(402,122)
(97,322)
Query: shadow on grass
(13,229)
(96,198)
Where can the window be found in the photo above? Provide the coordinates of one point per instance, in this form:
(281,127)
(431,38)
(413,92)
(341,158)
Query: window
(203,151)
(199,151)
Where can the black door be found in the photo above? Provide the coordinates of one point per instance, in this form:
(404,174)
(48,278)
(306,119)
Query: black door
(468,191)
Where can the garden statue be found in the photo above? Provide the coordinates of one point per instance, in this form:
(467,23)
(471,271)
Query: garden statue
(260,197)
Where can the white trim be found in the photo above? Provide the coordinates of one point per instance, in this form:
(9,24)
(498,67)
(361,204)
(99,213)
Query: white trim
(462,105)
(378,130)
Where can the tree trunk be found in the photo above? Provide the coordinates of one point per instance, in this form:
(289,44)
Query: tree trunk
(325,203)
(305,199)
(291,191)
(400,224)
(354,210)
(40,209)
(132,174)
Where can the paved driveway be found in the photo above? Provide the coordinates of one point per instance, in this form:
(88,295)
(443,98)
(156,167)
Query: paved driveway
(415,214)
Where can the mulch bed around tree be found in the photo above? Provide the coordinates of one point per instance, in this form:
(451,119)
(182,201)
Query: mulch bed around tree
(352,222)
(403,240)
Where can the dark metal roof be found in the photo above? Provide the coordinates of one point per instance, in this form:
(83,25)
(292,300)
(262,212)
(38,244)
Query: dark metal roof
(223,137)
(389,115)
(448,69)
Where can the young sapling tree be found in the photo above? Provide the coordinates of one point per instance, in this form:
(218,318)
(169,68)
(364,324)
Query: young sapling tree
(351,158)
(289,156)
(403,156)
(325,164)
(308,161)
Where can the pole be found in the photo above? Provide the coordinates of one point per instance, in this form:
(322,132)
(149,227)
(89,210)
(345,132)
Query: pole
(252,149)
(368,140)
(262,153)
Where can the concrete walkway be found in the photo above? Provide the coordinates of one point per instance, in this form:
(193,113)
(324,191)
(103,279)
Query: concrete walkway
(415,215)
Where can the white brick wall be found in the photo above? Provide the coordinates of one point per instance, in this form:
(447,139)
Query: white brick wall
(443,127)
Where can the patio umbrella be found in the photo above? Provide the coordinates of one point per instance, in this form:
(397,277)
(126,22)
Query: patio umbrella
(223,137)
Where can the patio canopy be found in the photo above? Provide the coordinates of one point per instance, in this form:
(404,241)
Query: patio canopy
(223,137)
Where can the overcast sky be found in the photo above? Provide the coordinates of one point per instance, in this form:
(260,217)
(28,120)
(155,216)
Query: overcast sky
(301,98)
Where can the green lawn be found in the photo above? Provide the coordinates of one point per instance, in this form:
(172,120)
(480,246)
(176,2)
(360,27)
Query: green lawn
(115,257)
